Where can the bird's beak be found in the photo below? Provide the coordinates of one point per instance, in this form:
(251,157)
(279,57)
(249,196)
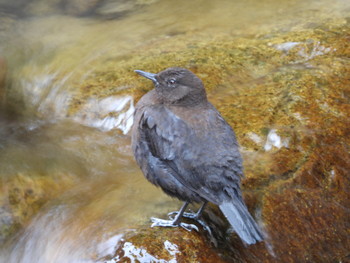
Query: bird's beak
(148,75)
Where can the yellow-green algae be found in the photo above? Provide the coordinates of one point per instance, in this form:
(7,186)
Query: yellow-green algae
(23,195)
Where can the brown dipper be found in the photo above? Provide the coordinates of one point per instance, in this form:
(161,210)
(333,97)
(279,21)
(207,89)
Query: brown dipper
(183,145)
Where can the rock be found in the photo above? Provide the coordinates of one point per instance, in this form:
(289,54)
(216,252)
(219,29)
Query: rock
(22,195)
(287,96)
(7,223)
(164,245)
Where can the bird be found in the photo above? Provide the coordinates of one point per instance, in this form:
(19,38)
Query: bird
(184,146)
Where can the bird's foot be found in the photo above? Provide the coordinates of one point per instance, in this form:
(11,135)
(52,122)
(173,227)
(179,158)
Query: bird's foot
(194,216)
(170,223)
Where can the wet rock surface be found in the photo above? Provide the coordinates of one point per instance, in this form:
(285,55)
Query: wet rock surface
(23,195)
(31,174)
(287,97)
(165,245)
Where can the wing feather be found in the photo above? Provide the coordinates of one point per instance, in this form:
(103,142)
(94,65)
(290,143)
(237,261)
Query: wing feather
(191,160)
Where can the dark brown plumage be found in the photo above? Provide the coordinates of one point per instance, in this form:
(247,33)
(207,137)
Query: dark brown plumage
(183,145)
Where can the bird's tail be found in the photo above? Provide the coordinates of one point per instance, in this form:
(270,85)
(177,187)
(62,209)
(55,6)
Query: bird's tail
(242,222)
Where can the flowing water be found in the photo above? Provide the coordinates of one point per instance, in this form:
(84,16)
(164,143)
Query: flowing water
(98,192)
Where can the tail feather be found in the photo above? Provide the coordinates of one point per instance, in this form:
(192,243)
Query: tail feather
(242,222)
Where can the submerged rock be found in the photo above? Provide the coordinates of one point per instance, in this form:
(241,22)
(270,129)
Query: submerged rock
(23,195)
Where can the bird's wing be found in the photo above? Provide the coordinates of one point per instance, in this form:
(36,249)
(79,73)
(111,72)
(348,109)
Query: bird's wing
(192,160)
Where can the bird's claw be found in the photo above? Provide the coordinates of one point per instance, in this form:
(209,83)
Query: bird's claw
(169,223)
(193,216)
(189,227)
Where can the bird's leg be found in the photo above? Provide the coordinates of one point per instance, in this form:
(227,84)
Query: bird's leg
(177,218)
(195,216)
(175,222)
(200,211)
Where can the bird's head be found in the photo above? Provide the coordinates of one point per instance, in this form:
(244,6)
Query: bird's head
(177,86)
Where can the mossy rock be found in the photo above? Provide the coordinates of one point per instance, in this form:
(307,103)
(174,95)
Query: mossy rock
(165,245)
(301,185)
(22,196)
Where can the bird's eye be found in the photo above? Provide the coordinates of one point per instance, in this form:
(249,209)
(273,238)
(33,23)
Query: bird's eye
(171,81)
